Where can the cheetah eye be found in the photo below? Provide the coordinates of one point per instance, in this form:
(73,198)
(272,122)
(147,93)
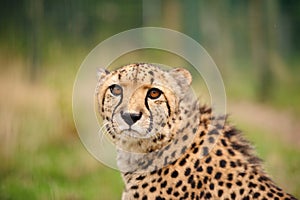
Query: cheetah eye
(154,93)
(116,89)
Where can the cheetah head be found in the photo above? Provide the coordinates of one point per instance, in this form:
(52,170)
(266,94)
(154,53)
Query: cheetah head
(140,105)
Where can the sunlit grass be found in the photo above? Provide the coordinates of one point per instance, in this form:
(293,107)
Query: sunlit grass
(59,171)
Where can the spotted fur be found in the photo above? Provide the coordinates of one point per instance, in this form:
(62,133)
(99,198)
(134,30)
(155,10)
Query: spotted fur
(170,147)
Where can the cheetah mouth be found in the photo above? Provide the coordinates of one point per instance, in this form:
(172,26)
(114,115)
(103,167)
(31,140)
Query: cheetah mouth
(135,134)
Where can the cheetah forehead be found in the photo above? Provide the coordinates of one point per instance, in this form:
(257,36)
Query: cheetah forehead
(177,79)
(140,74)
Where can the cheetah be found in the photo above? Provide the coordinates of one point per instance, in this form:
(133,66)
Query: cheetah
(170,147)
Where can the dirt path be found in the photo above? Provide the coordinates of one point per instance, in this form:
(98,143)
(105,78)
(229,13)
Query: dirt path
(280,123)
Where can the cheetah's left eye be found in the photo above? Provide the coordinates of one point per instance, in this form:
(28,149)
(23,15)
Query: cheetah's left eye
(154,93)
(116,89)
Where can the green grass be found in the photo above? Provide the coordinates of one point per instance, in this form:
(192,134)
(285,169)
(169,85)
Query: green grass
(59,171)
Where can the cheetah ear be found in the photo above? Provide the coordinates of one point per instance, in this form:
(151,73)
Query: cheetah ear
(101,73)
(182,76)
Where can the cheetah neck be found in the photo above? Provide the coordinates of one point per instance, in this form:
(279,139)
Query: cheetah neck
(183,129)
(228,169)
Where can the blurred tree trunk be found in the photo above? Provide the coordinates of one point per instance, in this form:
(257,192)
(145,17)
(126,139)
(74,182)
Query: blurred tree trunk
(171,14)
(260,50)
(277,63)
(191,20)
(151,12)
(35,13)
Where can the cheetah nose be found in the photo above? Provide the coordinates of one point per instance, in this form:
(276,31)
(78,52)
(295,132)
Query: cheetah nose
(131,118)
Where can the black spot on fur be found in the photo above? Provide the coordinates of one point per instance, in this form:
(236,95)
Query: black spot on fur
(152,189)
(207,160)
(218,175)
(209,170)
(174,174)
(163,184)
(182,162)
(222,163)
(187,171)
(136,195)
(219,152)
(220,193)
(140,178)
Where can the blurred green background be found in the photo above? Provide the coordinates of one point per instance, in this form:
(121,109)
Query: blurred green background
(255,44)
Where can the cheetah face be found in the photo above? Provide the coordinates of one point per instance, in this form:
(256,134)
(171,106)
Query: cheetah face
(138,104)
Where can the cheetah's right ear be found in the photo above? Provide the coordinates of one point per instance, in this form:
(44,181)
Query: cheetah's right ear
(182,76)
(101,73)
